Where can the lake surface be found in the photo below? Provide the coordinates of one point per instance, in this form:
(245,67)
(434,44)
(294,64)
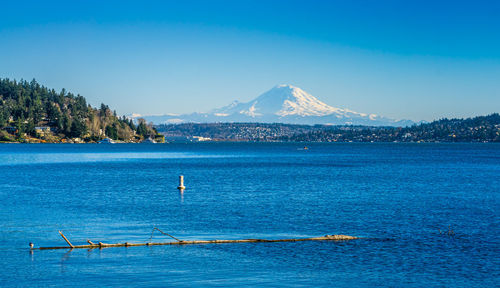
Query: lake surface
(403,198)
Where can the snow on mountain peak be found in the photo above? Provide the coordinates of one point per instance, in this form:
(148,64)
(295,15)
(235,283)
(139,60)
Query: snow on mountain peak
(286,100)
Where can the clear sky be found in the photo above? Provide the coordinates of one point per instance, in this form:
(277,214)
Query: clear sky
(419,60)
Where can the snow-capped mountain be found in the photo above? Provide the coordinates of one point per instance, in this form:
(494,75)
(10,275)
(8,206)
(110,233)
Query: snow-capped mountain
(282,101)
(282,104)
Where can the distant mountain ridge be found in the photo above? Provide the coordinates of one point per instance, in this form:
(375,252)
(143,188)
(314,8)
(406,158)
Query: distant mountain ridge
(282,104)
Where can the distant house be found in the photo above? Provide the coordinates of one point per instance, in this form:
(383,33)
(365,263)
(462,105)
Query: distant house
(43,129)
(107,141)
(200,139)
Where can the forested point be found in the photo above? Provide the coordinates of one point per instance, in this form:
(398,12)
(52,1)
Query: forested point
(30,112)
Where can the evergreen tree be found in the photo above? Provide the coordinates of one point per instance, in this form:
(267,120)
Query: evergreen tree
(78,129)
(142,128)
(3,120)
(66,124)
(112,132)
(131,124)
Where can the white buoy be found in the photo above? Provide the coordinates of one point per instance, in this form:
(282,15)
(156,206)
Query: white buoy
(181,183)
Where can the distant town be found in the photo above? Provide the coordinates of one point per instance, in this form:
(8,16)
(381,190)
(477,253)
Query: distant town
(477,129)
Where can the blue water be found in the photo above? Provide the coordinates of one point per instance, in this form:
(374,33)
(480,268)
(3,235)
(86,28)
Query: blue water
(398,196)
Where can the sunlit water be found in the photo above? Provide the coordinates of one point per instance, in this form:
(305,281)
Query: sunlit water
(403,198)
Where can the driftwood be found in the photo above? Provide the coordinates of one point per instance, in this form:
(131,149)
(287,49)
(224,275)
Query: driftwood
(92,245)
(66,239)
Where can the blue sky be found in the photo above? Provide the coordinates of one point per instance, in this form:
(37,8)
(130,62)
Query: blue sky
(419,60)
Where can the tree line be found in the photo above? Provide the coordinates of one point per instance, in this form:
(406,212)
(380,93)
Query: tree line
(476,129)
(27,106)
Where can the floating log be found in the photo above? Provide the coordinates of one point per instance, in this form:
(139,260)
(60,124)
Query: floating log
(189,242)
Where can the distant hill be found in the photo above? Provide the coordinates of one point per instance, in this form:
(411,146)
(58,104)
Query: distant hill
(282,104)
(478,129)
(34,113)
